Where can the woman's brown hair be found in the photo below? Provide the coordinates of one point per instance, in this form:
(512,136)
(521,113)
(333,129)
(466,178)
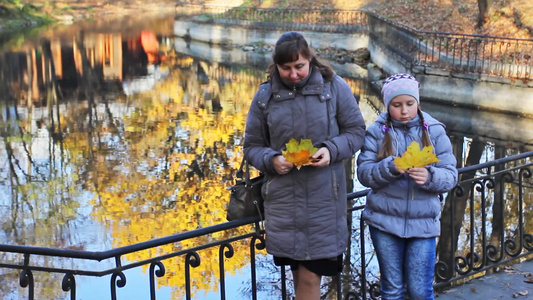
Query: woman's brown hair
(289,47)
(387,150)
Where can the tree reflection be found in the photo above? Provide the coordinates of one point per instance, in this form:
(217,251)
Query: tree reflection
(163,167)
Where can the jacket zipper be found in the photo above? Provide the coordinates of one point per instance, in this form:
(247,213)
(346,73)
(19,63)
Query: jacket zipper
(407,206)
(335,186)
(408,190)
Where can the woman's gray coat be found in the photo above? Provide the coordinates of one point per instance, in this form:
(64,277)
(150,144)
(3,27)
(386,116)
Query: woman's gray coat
(396,204)
(305,210)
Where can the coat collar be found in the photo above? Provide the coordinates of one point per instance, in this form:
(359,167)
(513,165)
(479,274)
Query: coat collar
(314,86)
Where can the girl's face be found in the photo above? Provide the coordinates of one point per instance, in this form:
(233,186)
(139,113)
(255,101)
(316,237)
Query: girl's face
(294,71)
(403,108)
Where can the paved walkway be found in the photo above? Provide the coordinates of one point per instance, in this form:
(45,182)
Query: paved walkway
(514,282)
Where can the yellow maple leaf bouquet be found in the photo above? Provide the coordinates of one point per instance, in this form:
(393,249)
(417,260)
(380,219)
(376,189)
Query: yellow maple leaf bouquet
(414,157)
(299,152)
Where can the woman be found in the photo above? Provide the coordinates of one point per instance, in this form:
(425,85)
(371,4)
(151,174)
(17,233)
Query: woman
(305,209)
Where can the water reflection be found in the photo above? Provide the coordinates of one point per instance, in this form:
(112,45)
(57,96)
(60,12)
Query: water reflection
(94,148)
(111,139)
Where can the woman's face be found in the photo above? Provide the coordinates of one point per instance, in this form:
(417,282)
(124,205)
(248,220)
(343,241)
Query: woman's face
(294,71)
(403,108)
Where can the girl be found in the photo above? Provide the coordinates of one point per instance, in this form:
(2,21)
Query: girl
(305,209)
(403,208)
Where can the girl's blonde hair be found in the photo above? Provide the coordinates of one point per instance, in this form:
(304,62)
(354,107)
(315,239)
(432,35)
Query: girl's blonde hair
(387,149)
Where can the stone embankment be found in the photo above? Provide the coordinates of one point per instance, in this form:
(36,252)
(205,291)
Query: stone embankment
(360,56)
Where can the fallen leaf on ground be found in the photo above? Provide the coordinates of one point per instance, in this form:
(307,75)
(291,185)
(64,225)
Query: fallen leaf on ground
(522,293)
(529,278)
(449,291)
(509,270)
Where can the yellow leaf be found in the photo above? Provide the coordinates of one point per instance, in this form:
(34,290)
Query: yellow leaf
(414,157)
(299,153)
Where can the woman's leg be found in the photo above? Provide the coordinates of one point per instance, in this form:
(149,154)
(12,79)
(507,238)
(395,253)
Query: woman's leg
(306,284)
(390,251)
(420,259)
(295,279)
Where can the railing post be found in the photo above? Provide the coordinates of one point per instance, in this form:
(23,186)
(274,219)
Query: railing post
(283,283)
(253,246)
(221,254)
(160,272)
(69,284)
(26,277)
(191,259)
(363,258)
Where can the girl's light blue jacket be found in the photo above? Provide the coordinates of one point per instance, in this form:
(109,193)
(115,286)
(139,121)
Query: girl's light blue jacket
(396,204)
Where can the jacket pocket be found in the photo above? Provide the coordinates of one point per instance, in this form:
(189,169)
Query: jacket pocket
(266,187)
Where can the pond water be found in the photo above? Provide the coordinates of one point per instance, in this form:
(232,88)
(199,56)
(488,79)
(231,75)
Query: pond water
(118,133)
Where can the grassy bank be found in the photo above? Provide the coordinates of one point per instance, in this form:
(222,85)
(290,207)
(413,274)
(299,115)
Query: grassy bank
(16,14)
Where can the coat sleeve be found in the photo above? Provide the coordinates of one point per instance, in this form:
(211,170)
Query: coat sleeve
(370,172)
(351,124)
(443,175)
(256,141)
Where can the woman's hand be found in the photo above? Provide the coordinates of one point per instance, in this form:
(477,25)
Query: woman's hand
(281,165)
(322,158)
(419,175)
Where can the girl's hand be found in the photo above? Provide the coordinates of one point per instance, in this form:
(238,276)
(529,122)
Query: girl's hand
(281,165)
(321,158)
(398,170)
(419,175)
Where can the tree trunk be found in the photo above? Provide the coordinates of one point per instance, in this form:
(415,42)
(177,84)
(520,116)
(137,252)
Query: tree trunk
(485,8)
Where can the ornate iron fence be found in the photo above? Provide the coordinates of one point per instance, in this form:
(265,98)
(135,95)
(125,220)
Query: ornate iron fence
(458,53)
(328,20)
(484,224)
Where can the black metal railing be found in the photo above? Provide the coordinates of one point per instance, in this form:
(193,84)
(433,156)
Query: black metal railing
(157,268)
(328,20)
(460,53)
(484,225)
(488,208)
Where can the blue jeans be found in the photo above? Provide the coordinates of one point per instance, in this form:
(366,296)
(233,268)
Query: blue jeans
(405,263)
